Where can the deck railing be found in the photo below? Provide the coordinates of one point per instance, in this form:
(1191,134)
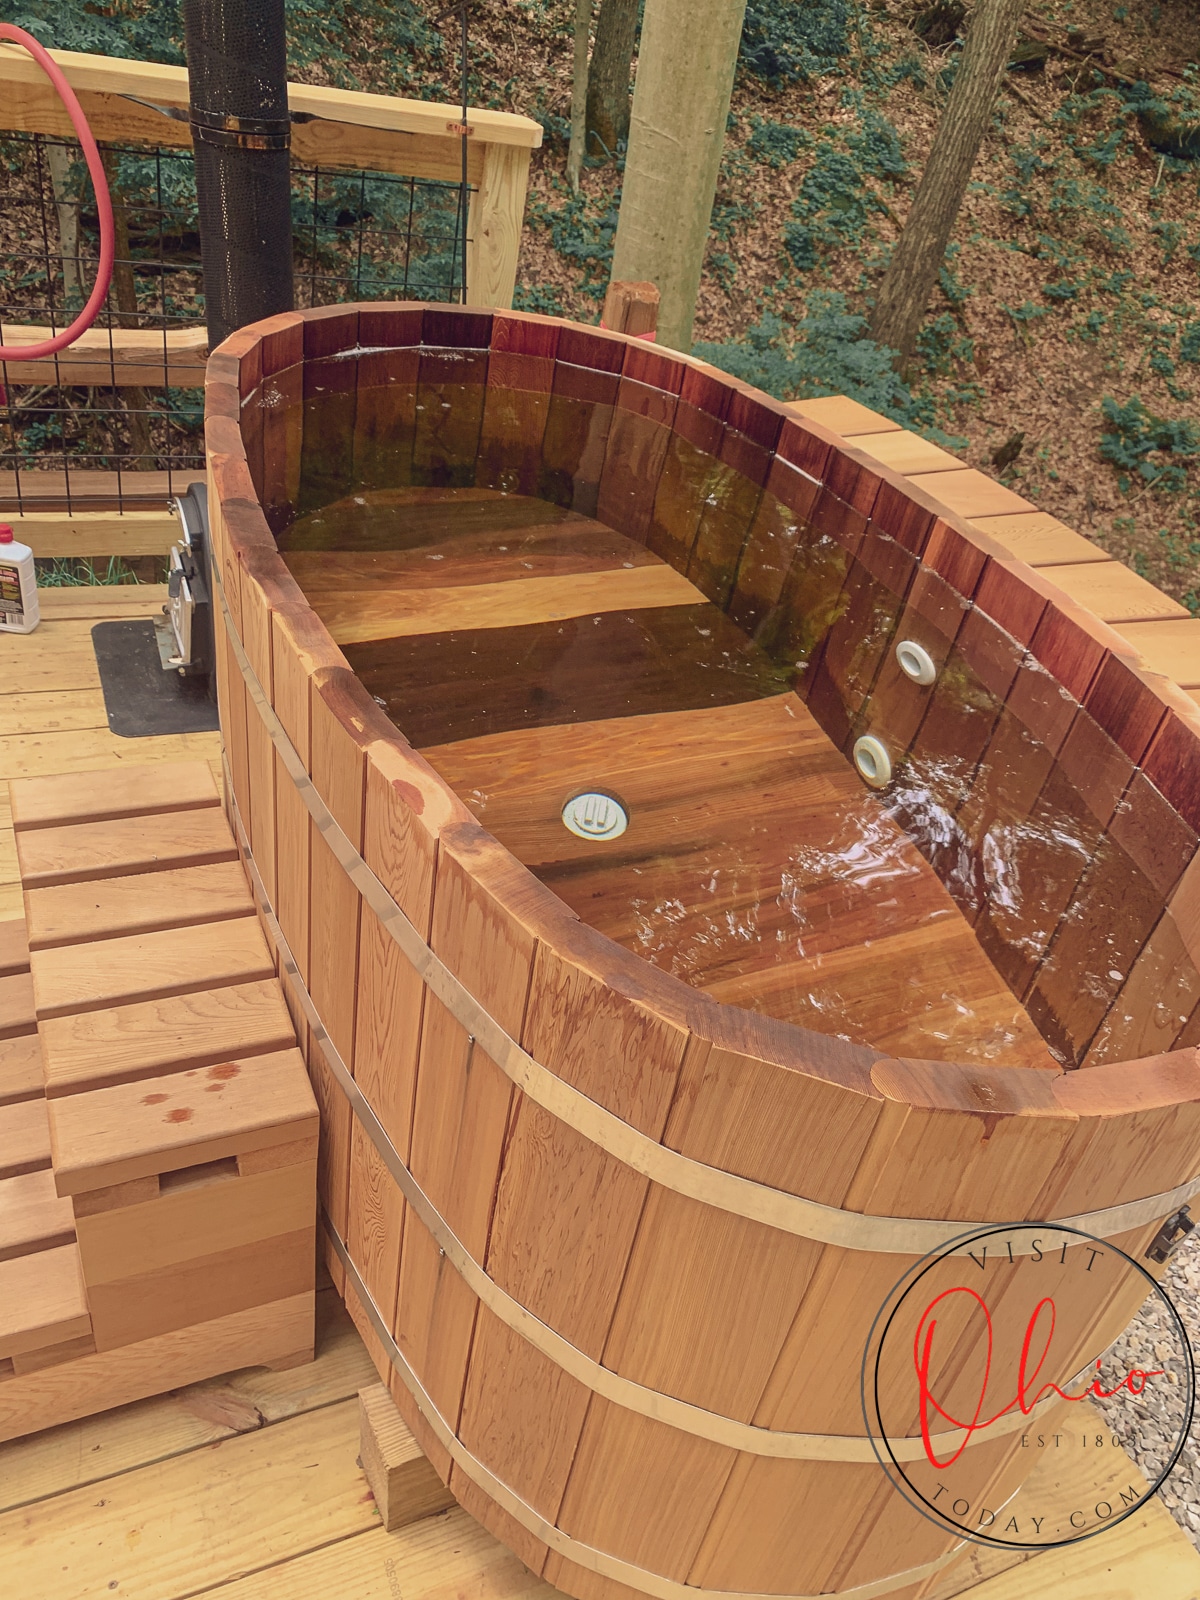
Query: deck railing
(95,441)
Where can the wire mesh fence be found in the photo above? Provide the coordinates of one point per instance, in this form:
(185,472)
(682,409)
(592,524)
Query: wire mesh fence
(115,422)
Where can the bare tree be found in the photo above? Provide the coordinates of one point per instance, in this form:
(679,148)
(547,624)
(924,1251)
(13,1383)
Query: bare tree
(686,64)
(608,77)
(579,92)
(913,270)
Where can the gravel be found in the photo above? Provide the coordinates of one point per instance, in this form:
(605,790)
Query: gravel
(1149,1340)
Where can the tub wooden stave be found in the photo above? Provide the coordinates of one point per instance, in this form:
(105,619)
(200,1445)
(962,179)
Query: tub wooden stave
(662,1298)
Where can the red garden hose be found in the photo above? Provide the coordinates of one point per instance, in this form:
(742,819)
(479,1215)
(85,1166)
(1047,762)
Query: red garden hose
(49,347)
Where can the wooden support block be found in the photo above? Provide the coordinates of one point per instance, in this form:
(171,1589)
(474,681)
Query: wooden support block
(631,308)
(405,1486)
(109,907)
(14,947)
(20,1069)
(17,1014)
(24,1138)
(148,965)
(161,1125)
(104,796)
(127,1043)
(32,1215)
(79,852)
(42,1301)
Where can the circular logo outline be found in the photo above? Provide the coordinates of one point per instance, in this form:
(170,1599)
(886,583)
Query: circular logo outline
(893,1469)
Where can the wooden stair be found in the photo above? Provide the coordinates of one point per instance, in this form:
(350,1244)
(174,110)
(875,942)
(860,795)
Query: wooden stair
(44,1314)
(158,1134)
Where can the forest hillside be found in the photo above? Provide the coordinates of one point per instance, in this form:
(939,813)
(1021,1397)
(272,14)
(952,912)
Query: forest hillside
(1068,316)
(1062,348)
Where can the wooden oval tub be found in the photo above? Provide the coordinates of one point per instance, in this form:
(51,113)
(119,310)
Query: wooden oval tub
(616,1222)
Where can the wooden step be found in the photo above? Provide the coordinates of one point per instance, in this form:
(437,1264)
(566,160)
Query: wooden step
(42,1301)
(82,851)
(17,1014)
(162,1125)
(20,1069)
(14,948)
(104,796)
(145,966)
(24,1138)
(109,907)
(127,1043)
(32,1215)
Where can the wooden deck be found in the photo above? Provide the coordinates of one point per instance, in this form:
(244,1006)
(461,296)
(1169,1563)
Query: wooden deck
(249,1485)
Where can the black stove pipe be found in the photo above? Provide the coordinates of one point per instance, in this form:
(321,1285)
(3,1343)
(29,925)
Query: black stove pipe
(241,135)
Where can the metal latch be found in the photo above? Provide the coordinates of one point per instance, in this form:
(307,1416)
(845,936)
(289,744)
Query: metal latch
(1171,1235)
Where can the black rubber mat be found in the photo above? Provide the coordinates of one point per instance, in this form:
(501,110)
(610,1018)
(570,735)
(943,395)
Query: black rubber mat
(140,698)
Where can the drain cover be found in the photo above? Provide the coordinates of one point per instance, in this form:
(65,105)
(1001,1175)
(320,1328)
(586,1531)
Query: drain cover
(595,815)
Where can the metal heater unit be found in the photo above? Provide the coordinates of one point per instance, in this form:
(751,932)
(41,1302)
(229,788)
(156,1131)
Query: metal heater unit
(185,633)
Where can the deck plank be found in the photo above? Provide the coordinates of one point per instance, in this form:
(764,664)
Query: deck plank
(52,711)
(1146,1556)
(441,1556)
(195,1521)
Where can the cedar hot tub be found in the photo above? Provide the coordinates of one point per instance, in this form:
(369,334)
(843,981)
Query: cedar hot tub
(707,878)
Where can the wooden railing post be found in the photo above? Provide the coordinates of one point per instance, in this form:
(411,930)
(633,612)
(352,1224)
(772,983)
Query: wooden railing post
(494,226)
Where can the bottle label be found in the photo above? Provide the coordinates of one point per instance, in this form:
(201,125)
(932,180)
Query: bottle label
(10,592)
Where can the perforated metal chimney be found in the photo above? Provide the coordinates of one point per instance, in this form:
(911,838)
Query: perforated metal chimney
(241,134)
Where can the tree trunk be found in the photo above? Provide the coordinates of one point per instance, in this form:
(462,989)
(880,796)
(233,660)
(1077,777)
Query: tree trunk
(919,253)
(579,92)
(58,159)
(124,291)
(686,64)
(608,78)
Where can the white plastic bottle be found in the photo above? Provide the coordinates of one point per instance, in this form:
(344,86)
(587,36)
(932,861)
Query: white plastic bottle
(19,609)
